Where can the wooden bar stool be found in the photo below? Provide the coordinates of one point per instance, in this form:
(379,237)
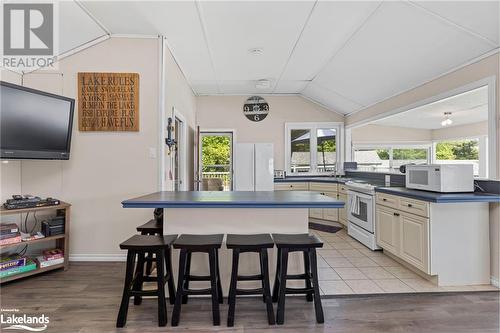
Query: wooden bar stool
(189,244)
(152,227)
(258,243)
(307,244)
(139,245)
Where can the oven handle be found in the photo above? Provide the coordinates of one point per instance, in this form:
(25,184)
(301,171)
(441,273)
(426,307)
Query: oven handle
(361,195)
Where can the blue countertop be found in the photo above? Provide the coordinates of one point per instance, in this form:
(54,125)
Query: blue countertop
(323,179)
(440,197)
(236,199)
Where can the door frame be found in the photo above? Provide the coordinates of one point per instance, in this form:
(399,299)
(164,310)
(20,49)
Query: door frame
(217,131)
(182,152)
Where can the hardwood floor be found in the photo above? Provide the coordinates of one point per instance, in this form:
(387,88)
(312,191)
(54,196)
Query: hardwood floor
(86,299)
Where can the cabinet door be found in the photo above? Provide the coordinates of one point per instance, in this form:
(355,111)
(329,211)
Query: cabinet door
(343,211)
(331,214)
(414,245)
(387,229)
(316,213)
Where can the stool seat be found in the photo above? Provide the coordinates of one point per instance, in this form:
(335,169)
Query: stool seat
(144,242)
(298,241)
(198,242)
(251,242)
(151,227)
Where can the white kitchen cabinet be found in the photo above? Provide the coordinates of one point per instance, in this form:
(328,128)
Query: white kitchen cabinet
(295,186)
(343,211)
(387,229)
(316,213)
(414,244)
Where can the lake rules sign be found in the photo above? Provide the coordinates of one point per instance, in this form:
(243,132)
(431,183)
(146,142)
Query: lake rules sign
(108,102)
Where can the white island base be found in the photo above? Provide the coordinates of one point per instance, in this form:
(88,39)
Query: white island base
(237,221)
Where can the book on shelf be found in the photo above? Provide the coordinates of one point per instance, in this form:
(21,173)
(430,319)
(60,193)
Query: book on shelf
(29,237)
(12,261)
(11,240)
(53,254)
(9,235)
(30,266)
(42,262)
(8,228)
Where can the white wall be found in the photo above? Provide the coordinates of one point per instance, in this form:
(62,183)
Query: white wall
(379,133)
(226,112)
(462,131)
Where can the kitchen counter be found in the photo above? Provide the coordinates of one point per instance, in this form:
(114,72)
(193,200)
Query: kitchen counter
(320,179)
(236,199)
(440,197)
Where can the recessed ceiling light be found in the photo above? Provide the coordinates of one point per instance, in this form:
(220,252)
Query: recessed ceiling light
(256,51)
(263,84)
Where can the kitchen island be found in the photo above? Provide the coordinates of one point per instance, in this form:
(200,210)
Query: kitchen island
(238,212)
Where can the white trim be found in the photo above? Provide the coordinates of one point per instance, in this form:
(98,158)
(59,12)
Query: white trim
(313,126)
(161,116)
(98,257)
(494,282)
(322,105)
(183,150)
(492,128)
(176,60)
(454,69)
(135,36)
(98,22)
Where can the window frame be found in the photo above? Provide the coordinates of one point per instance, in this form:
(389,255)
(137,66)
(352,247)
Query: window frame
(396,145)
(313,127)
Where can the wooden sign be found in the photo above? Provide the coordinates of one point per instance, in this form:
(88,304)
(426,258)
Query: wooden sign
(108,102)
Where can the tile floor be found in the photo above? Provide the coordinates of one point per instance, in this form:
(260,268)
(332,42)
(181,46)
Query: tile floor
(348,267)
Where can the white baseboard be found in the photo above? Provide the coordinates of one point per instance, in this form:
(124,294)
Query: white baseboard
(98,257)
(494,282)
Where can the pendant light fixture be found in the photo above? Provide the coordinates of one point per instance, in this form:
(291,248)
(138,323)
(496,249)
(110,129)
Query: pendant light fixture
(447,121)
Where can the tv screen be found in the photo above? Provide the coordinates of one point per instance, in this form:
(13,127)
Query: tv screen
(34,124)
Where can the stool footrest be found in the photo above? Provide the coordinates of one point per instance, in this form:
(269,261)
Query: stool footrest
(144,293)
(199,278)
(299,290)
(298,276)
(257,277)
(255,291)
(206,291)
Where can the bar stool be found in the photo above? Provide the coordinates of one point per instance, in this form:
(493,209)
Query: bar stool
(139,245)
(307,244)
(152,227)
(258,243)
(189,244)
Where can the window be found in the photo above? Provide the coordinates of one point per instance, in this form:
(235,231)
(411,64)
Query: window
(388,158)
(312,148)
(463,151)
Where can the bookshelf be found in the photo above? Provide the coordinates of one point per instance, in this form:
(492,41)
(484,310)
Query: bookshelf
(62,241)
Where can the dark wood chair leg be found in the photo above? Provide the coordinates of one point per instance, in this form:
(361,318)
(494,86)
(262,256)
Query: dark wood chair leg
(307,270)
(280,317)
(232,288)
(149,256)
(170,276)
(122,314)
(317,297)
(139,277)
(276,279)
(219,285)
(213,285)
(162,304)
(262,281)
(178,298)
(186,277)
(265,285)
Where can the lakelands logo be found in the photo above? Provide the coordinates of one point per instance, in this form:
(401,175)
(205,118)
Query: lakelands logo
(29,35)
(18,321)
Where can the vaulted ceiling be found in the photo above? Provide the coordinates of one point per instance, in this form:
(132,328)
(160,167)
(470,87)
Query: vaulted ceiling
(345,55)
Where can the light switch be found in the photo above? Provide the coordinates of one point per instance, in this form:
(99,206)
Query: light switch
(152,152)
(387,180)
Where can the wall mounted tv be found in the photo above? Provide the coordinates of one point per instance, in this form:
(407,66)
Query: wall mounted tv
(34,124)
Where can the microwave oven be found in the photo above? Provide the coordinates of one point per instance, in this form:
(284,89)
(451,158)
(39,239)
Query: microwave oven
(441,177)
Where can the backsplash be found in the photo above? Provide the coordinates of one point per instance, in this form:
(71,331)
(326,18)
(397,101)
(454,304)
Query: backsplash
(396,180)
(489,186)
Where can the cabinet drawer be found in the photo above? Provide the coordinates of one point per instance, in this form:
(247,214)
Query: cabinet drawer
(342,188)
(291,186)
(388,200)
(323,187)
(414,206)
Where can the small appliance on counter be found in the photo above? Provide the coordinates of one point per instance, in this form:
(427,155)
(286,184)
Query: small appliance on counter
(279,174)
(29,201)
(444,178)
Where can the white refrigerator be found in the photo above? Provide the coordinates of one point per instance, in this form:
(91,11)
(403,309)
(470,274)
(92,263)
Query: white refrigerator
(253,167)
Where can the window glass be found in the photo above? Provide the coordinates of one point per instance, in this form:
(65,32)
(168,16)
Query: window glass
(459,152)
(401,156)
(300,159)
(372,159)
(326,155)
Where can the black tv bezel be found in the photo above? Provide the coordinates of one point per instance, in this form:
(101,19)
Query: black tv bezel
(21,154)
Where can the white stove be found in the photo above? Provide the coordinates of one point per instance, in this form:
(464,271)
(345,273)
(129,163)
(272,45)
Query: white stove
(361,213)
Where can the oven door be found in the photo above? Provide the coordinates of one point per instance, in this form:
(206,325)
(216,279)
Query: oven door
(364,218)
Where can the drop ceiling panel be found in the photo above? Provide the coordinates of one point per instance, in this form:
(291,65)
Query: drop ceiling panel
(205,87)
(330,99)
(177,21)
(329,27)
(242,88)
(467,108)
(234,27)
(290,87)
(398,48)
(76,27)
(481,17)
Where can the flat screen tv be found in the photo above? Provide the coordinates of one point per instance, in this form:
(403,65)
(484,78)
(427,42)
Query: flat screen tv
(34,124)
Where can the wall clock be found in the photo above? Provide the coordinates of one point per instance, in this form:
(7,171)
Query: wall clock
(255,108)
